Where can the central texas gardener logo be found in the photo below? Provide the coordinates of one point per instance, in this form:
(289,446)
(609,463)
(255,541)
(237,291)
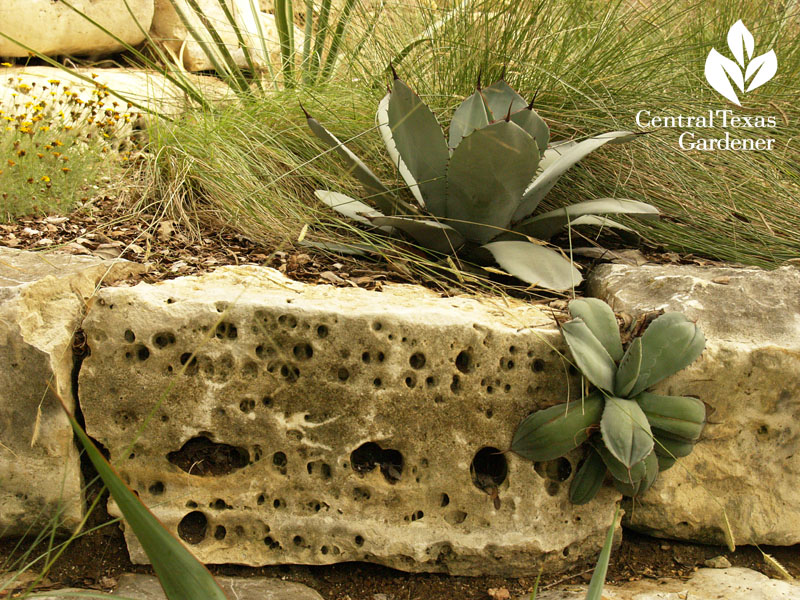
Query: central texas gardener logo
(721,71)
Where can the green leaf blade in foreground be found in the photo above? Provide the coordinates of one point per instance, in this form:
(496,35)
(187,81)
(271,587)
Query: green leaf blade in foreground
(348,207)
(670,343)
(182,576)
(600,319)
(421,144)
(500,98)
(628,371)
(595,591)
(546,225)
(626,431)
(540,186)
(531,122)
(470,115)
(588,480)
(680,417)
(382,119)
(534,264)
(592,359)
(552,432)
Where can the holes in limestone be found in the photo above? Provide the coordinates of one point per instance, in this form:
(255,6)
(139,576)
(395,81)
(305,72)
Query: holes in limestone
(430,381)
(411,381)
(455,385)
(220,504)
(290,373)
(324,550)
(261,499)
(464,361)
(444,500)
(200,456)
(303,351)
(247,405)
(219,533)
(191,368)
(266,401)
(359,540)
(163,339)
(416,516)
(192,527)
(557,470)
(142,352)
(537,366)
(156,489)
(417,360)
(322,331)
(319,468)
(455,517)
(506,364)
(297,540)
(377,326)
(489,469)
(565,551)
(287,321)
(130,337)
(377,382)
(360,494)
(551,487)
(279,461)
(250,370)
(226,331)
(271,543)
(370,455)
(343,374)
(279,504)
(191,504)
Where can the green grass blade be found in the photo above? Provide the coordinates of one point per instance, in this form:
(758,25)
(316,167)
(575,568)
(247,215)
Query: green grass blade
(308,30)
(243,44)
(262,41)
(595,591)
(282,24)
(181,575)
(319,39)
(336,40)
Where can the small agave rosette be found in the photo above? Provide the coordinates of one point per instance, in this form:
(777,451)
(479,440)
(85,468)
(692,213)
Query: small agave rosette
(632,434)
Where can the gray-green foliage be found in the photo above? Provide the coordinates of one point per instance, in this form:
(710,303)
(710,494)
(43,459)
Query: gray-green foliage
(632,434)
(476,190)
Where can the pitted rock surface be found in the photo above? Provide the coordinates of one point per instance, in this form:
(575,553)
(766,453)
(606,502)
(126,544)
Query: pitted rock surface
(748,460)
(284,423)
(42,298)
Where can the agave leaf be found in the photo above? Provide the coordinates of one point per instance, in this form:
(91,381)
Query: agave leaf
(618,470)
(469,116)
(350,207)
(531,122)
(665,462)
(421,144)
(682,418)
(376,190)
(431,234)
(181,575)
(547,179)
(666,445)
(546,225)
(501,98)
(600,320)
(588,480)
(382,118)
(592,359)
(535,264)
(552,432)
(670,343)
(628,371)
(626,431)
(603,222)
(486,177)
(595,591)
(637,488)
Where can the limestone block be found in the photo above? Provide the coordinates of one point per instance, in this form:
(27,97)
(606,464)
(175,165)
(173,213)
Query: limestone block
(706,584)
(170,30)
(749,458)
(41,305)
(265,421)
(53,28)
(147,587)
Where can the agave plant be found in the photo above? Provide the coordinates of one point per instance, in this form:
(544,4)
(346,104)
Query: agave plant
(632,434)
(477,189)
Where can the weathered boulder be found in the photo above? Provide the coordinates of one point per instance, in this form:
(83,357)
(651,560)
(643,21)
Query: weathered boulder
(53,28)
(706,584)
(170,30)
(42,299)
(147,587)
(266,421)
(748,461)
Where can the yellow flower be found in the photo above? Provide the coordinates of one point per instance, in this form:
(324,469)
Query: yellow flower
(44,128)
(6,64)
(65,169)
(54,81)
(11,163)
(21,152)
(57,143)
(39,155)
(45,178)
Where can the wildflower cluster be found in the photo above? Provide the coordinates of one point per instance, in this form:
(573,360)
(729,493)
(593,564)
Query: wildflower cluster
(55,141)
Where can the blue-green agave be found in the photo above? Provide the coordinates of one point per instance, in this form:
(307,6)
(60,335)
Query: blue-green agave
(632,433)
(477,189)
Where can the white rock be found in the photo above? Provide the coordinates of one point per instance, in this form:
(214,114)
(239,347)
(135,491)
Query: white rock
(328,425)
(748,460)
(147,587)
(52,28)
(42,298)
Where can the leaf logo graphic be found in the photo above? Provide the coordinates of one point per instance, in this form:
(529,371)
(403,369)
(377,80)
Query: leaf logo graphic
(721,71)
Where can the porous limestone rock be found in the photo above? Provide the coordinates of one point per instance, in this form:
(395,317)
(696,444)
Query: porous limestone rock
(748,460)
(147,587)
(53,28)
(170,30)
(42,299)
(266,421)
(706,584)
